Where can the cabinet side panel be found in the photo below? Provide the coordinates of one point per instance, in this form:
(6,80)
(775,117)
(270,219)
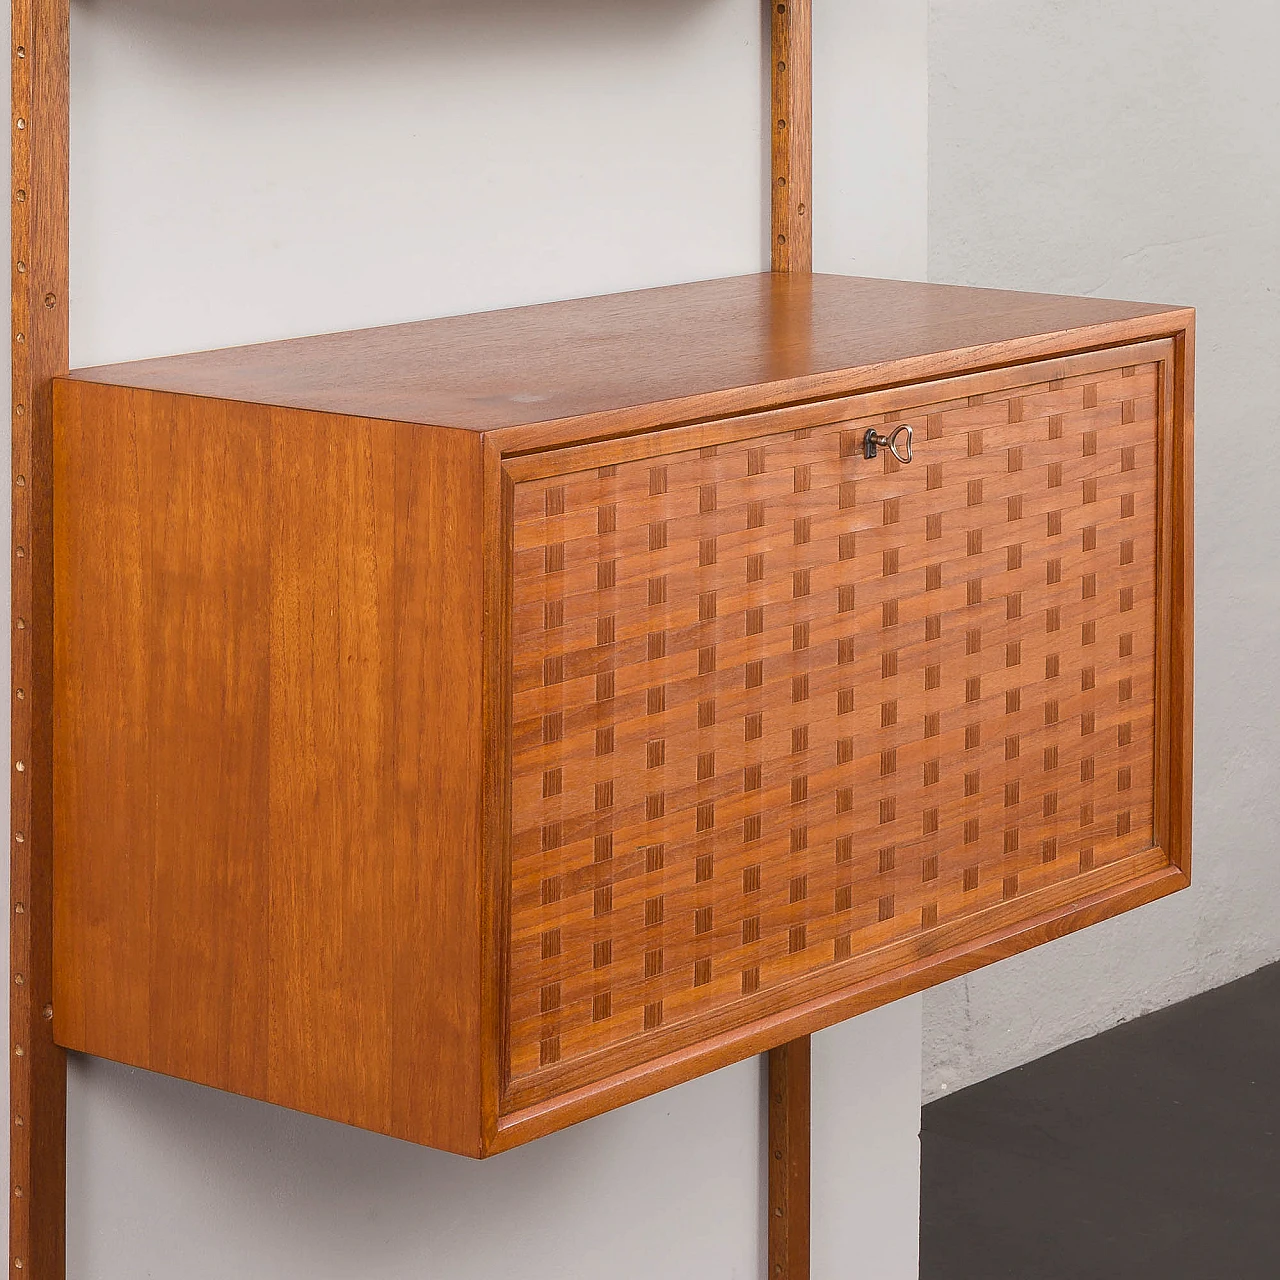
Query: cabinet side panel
(375,775)
(203,555)
(268,780)
(101,904)
(161,733)
(333,752)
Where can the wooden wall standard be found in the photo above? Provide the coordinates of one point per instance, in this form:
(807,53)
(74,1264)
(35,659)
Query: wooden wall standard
(37,1132)
(792,144)
(787,1150)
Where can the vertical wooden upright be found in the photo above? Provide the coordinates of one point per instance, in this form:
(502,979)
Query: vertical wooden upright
(39,122)
(792,251)
(789,1160)
(792,125)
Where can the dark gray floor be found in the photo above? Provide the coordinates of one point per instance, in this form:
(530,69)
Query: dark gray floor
(1148,1151)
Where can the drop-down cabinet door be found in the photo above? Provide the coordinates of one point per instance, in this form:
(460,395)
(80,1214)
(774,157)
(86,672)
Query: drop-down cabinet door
(794,731)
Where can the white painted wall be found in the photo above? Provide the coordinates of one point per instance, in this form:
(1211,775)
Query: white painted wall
(262,168)
(1131,150)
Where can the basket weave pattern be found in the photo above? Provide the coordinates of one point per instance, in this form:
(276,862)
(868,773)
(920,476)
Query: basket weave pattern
(777,706)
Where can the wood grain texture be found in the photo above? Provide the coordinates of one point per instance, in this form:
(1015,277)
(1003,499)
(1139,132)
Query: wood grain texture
(791,251)
(792,142)
(778,708)
(706,431)
(1093,896)
(634,361)
(788,1155)
(496,850)
(1107,893)
(268,754)
(1177,765)
(37,1069)
(308,665)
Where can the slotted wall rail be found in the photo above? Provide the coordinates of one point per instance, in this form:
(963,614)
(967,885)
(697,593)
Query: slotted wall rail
(37,1131)
(788,1083)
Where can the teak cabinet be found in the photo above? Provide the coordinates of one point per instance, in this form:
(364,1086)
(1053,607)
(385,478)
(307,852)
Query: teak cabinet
(466,727)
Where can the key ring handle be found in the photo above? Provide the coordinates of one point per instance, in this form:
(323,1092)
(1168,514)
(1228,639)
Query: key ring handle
(873,442)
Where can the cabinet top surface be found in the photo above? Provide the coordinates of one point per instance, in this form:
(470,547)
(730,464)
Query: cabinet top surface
(747,341)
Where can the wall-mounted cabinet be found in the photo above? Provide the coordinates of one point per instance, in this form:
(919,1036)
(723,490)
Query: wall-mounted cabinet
(466,727)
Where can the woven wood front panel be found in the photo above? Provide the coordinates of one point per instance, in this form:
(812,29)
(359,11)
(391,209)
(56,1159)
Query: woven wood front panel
(777,706)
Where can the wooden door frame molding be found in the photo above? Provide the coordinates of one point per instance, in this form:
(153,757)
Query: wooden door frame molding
(40,128)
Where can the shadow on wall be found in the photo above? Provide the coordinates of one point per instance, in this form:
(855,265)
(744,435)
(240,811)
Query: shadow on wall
(266,168)
(513,19)
(310,1198)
